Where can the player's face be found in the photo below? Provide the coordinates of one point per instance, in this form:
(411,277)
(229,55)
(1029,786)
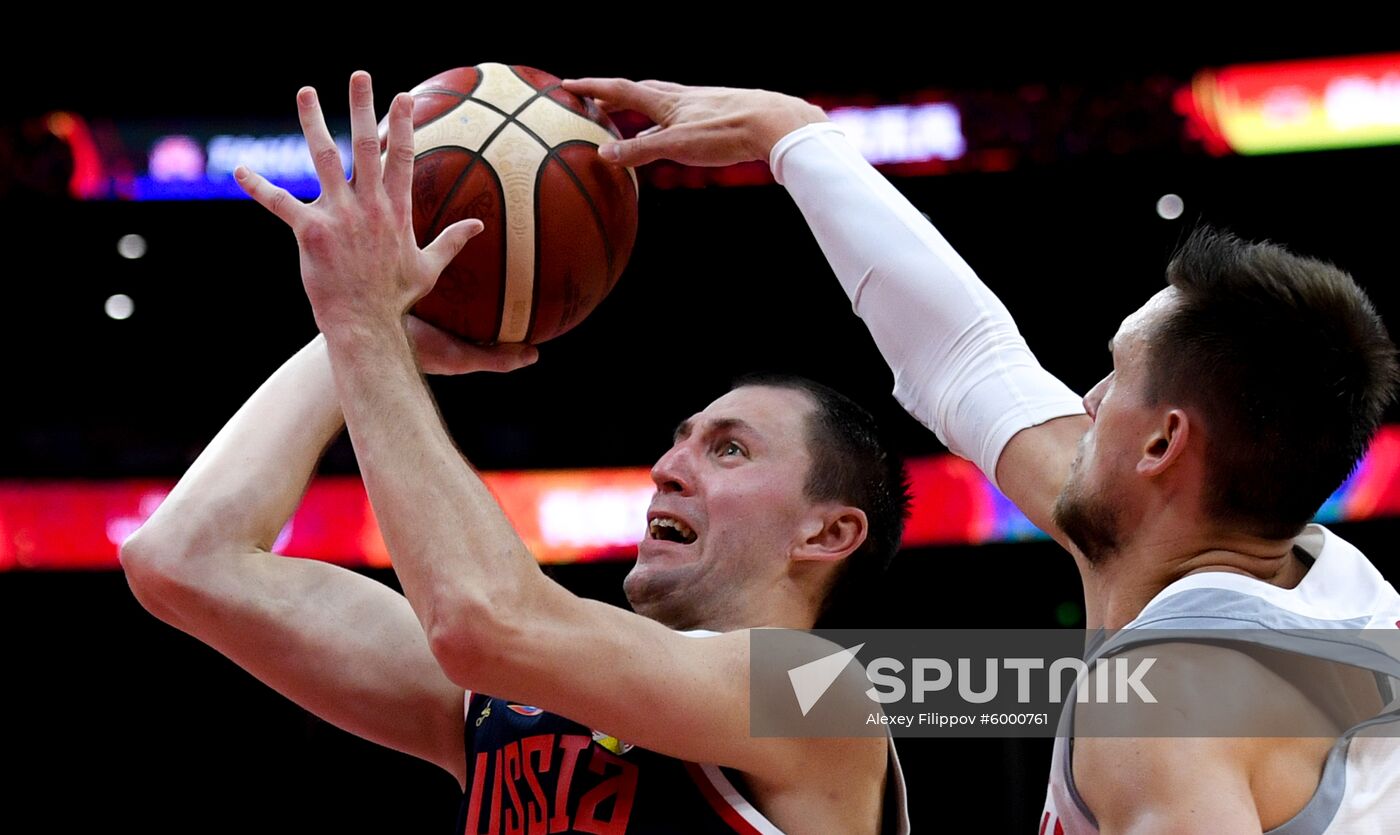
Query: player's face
(728,509)
(1098,504)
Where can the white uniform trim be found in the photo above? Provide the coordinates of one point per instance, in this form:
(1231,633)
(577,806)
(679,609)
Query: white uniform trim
(737,801)
(1341,585)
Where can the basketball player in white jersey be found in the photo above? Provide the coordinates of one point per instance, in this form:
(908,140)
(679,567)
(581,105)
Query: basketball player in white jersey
(770,501)
(1240,397)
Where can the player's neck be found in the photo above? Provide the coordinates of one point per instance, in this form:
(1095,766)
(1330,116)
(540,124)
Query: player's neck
(1118,587)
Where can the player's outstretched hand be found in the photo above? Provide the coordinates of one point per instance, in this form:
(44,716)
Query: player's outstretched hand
(709,126)
(360,262)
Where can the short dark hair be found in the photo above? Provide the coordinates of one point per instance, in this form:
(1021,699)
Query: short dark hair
(1290,366)
(851,463)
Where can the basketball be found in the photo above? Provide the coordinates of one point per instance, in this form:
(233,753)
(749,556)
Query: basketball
(508,145)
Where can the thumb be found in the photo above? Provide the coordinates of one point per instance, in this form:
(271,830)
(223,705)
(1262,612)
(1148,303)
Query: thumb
(448,243)
(689,144)
(646,147)
(509,357)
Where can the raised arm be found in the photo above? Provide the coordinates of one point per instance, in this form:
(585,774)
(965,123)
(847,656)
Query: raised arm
(960,365)
(341,645)
(494,622)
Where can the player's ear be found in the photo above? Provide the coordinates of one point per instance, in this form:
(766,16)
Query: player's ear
(1166,445)
(831,532)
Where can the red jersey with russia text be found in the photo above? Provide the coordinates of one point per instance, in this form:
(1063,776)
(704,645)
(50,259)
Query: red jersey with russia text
(531,772)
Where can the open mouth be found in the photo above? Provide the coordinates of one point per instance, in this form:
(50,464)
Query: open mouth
(669,529)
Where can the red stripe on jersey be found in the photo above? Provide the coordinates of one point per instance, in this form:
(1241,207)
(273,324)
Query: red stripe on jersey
(730,815)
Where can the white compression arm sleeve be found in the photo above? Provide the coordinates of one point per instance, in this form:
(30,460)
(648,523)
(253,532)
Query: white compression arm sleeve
(960,365)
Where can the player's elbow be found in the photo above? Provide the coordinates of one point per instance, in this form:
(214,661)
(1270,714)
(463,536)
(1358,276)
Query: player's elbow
(453,650)
(470,635)
(150,562)
(166,570)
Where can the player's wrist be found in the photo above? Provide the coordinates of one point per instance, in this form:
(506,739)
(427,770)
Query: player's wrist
(359,330)
(781,117)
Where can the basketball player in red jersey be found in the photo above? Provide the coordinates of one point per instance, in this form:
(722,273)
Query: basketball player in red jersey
(1240,397)
(618,722)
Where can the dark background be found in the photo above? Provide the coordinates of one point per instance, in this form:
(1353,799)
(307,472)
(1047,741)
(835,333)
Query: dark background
(112,718)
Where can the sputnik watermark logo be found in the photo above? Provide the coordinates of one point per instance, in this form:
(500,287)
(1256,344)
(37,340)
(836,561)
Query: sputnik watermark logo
(1133,683)
(1021,682)
(810,681)
(1116,679)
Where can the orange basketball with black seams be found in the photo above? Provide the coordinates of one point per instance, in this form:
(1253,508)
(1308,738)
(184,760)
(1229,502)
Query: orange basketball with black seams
(508,145)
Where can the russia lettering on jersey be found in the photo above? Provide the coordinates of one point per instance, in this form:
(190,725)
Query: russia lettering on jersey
(532,772)
(508,793)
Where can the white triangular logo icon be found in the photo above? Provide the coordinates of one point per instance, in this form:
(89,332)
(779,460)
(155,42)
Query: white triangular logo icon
(811,680)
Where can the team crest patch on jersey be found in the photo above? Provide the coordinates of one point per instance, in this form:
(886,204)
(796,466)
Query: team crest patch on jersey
(612,743)
(526,710)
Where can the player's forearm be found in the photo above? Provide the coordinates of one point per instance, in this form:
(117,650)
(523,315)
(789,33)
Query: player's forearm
(245,485)
(453,548)
(960,364)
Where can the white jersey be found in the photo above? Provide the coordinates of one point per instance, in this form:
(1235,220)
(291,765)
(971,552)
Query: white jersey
(1359,790)
(962,369)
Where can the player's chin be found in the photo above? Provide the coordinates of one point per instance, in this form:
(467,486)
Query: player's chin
(654,578)
(661,569)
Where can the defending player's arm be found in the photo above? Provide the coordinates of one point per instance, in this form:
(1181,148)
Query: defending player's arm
(341,645)
(960,364)
(494,622)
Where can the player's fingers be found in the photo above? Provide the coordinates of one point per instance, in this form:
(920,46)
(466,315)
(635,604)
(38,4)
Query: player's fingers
(448,243)
(324,153)
(364,132)
(688,144)
(443,353)
(508,357)
(271,197)
(622,94)
(398,155)
(664,86)
(579,88)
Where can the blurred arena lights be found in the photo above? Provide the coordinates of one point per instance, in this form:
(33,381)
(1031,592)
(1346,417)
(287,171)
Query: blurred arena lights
(903,133)
(89,179)
(561,515)
(1170,207)
(198,165)
(1248,109)
(119,306)
(131,247)
(1296,105)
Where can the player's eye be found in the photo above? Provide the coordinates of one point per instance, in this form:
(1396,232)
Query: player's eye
(727,448)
